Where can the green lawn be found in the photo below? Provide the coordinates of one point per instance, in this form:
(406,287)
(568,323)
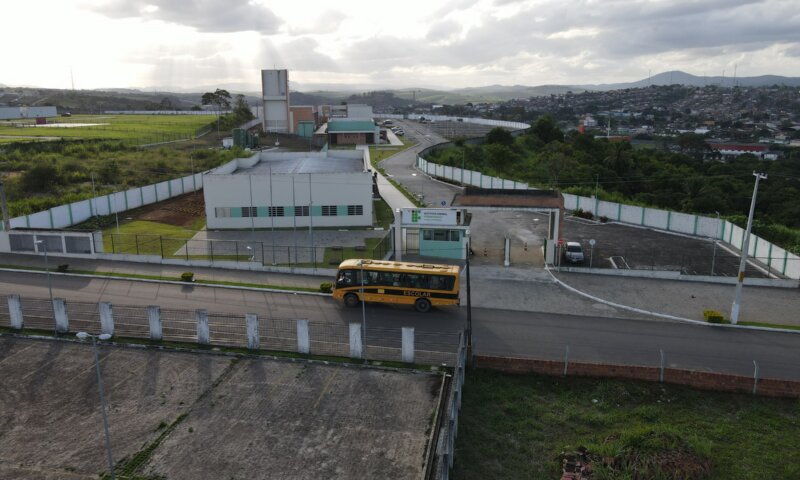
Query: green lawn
(516,426)
(142,237)
(138,128)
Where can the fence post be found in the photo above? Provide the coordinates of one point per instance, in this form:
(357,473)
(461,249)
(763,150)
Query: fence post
(161,245)
(661,375)
(566,360)
(356,349)
(755,377)
(303,342)
(154,319)
(15,312)
(408,345)
(60,311)
(136,239)
(106,318)
(211,249)
(201,316)
(252,331)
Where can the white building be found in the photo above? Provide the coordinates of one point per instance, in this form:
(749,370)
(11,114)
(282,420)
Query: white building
(275,95)
(290,189)
(7,113)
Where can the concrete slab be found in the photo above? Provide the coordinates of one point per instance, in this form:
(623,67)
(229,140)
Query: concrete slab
(217,416)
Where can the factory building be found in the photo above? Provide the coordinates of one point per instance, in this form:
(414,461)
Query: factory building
(290,189)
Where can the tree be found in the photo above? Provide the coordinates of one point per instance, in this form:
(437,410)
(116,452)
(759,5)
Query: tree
(241,110)
(219,98)
(546,130)
(499,135)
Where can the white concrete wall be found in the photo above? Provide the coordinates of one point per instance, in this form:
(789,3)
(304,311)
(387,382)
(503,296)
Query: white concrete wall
(64,216)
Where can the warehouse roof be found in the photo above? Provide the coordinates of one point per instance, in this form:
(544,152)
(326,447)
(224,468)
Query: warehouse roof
(304,165)
(351,126)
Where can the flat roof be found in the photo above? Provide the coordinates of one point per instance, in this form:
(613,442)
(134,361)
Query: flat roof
(350,126)
(303,165)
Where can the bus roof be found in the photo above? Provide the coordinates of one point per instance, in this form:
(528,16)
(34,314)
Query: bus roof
(410,267)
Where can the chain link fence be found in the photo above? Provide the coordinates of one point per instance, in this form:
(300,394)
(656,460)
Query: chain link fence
(266,253)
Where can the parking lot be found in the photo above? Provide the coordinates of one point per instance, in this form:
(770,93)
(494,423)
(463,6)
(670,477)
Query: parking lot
(187,415)
(628,247)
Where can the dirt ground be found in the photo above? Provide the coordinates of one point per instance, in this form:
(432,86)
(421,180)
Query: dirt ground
(180,211)
(182,415)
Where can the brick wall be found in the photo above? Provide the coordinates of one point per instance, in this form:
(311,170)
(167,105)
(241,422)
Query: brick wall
(700,380)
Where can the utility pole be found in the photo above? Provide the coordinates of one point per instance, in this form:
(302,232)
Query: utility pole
(737,298)
(4,206)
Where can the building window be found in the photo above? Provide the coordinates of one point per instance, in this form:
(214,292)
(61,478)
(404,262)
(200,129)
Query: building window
(329,210)
(355,209)
(454,235)
(301,211)
(440,235)
(222,212)
(249,211)
(427,234)
(275,211)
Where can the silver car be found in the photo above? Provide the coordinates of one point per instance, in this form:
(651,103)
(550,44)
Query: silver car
(573,252)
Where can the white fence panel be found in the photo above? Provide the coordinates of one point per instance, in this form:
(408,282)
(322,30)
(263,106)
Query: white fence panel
(162,191)
(655,218)
(608,209)
(681,223)
(709,227)
(39,220)
(61,216)
(631,214)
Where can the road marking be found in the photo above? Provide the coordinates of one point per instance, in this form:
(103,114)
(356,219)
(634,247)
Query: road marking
(325,388)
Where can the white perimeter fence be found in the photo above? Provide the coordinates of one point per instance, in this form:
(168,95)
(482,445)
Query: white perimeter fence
(778,259)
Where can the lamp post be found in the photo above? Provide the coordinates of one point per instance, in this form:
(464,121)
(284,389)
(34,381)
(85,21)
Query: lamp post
(363,311)
(737,298)
(102,336)
(250,254)
(49,282)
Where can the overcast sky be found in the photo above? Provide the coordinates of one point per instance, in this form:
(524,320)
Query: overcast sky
(199,44)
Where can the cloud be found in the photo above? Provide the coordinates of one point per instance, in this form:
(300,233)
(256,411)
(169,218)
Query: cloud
(298,54)
(328,21)
(443,31)
(221,16)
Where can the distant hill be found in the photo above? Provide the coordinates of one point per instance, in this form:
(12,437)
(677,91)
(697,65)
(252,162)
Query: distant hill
(683,78)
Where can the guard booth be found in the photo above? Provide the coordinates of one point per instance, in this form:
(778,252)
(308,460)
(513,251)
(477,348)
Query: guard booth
(432,232)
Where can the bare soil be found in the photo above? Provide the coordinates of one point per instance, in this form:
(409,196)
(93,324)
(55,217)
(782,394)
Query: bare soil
(180,211)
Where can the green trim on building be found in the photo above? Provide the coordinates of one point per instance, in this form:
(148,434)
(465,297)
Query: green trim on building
(341,210)
(315,210)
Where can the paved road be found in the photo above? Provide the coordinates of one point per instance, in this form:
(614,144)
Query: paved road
(512,333)
(401,167)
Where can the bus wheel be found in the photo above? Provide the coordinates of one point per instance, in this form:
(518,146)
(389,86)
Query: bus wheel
(422,305)
(351,300)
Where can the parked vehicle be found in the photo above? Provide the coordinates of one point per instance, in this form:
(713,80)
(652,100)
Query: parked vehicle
(573,252)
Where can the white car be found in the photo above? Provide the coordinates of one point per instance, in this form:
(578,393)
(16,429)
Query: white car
(573,252)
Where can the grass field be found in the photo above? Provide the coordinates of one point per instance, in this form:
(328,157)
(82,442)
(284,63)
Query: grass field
(515,426)
(147,242)
(139,129)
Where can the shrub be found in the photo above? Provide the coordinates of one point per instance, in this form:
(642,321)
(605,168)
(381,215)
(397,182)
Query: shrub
(582,214)
(326,287)
(63,267)
(603,219)
(187,276)
(713,316)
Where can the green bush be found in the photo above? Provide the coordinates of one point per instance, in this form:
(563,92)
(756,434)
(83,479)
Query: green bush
(326,287)
(713,316)
(63,267)
(582,214)
(187,276)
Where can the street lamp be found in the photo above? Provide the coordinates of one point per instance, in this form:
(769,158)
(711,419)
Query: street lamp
(250,253)
(49,282)
(363,311)
(102,336)
(737,298)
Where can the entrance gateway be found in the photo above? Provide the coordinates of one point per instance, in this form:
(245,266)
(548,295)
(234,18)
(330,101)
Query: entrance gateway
(550,202)
(432,232)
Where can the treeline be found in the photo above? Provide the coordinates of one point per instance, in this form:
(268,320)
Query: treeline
(43,175)
(545,158)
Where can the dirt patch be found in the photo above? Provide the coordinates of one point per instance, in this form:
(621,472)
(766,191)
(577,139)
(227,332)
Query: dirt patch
(180,211)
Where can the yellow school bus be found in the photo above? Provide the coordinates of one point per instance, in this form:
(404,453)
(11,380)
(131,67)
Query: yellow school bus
(418,284)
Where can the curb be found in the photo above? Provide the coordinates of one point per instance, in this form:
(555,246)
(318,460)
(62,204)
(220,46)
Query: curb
(169,282)
(664,315)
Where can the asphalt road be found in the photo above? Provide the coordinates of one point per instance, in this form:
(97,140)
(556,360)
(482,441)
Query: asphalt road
(510,333)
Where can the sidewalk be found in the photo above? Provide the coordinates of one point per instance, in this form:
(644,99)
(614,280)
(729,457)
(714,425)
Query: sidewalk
(167,271)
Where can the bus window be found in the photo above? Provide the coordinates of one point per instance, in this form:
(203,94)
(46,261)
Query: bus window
(347,278)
